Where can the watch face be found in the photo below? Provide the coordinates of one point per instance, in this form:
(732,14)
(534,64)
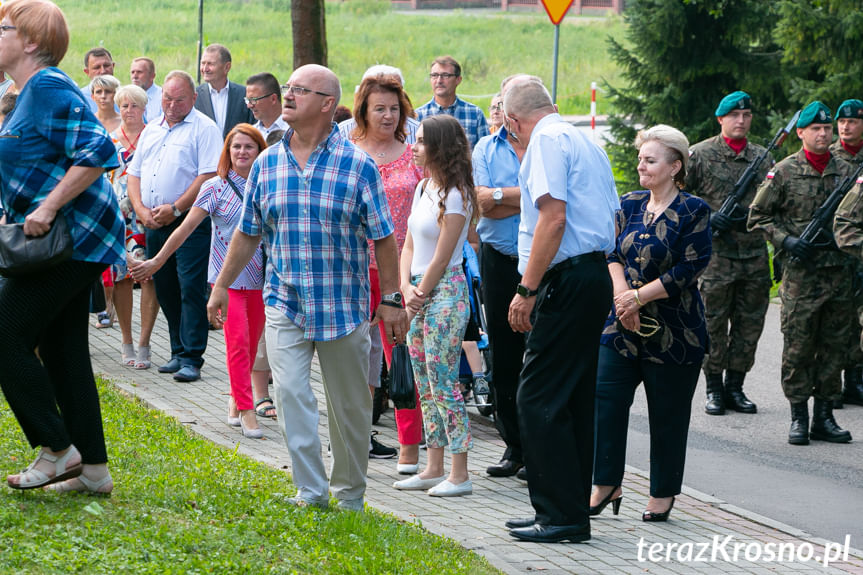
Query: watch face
(394,297)
(498,194)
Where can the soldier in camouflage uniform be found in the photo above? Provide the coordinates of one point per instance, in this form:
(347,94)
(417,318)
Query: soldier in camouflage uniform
(736,284)
(849,124)
(816,282)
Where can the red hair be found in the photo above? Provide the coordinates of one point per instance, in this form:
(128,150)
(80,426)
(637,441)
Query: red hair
(225,159)
(42,23)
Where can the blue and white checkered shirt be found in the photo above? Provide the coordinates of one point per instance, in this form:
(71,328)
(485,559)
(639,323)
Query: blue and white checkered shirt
(50,130)
(315,224)
(469,116)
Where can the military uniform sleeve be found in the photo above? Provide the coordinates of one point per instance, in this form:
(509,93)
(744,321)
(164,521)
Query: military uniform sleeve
(769,197)
(848,222)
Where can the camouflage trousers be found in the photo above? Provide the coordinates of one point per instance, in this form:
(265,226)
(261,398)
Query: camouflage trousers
(736,294)
(816,305)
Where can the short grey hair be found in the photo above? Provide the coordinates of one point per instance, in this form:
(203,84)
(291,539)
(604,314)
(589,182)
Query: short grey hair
(106,82)
(510,78)
(131,93)
(182,74)
(526,97)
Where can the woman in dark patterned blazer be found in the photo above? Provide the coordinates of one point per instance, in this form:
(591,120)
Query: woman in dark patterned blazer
(656,332)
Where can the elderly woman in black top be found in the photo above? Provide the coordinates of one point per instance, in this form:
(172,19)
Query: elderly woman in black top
(656,332)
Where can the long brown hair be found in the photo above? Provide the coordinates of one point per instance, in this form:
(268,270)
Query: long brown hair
(381,83)
(447,159)
(225,159)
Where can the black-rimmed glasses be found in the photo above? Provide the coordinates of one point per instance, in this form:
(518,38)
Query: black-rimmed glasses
(253,101)
(443,75)
(300,91)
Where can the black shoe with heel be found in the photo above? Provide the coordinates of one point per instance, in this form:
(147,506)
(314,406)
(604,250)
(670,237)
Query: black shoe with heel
(615,503)
(653,516)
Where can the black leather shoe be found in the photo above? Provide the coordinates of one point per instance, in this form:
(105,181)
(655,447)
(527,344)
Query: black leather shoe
(734,397)
(519,522)
(799,432)
(506,468)
(653,517)
(853,392)
(552,533)
(715,404)
(522,474)
(824,426)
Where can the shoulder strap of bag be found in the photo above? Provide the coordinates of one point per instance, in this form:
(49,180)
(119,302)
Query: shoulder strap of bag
(234,187)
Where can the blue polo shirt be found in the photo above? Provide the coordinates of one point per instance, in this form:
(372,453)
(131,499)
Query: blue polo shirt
(496,165)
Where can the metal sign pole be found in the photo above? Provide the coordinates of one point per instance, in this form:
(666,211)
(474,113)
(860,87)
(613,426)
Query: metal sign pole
(554,76)
(200,36)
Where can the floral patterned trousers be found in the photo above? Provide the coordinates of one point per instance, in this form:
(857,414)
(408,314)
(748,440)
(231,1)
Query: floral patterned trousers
(435,340)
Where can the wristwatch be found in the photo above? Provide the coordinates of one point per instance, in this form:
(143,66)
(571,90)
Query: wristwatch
(177,213)
(392,299)
(525,291)
(497,196)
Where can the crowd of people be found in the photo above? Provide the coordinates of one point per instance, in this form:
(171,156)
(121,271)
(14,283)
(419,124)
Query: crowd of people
(344,239)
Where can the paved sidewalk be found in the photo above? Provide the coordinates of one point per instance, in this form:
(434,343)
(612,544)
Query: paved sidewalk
(476,521)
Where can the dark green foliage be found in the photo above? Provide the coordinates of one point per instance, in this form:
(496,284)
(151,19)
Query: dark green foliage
(822,38)
(680,58)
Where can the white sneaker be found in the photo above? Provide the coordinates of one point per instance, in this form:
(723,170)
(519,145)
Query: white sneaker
(416,483)
(447,489)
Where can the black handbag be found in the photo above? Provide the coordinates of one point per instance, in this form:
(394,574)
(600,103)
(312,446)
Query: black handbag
(22,255)
(402,389)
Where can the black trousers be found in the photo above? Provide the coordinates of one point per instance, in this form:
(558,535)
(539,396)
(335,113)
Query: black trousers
(181,288)
(669,389)
(54,400)
(556,394)
(499,279)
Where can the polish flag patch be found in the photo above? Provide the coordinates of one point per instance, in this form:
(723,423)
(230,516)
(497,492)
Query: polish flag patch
(860,180)
(770,175)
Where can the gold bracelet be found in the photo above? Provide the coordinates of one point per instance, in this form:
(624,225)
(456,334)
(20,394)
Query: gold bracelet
(638,301)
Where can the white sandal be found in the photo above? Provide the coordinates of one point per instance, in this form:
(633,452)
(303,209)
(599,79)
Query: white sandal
(142,360)
(32,478)
(129,354)
(94,487)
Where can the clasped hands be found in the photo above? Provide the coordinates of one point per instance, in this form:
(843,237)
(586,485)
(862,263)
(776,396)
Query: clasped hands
(627,307)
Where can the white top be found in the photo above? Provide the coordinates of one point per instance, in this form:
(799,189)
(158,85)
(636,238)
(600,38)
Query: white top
(168,159)
(154,103)
(424,228)
(219,98)
(279,124)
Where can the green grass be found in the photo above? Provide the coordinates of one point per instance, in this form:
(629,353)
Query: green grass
(490,45)
(183,505)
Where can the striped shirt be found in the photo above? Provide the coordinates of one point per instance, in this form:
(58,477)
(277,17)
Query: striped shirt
(315,224)
(468,115)
(218,199)
(51,130)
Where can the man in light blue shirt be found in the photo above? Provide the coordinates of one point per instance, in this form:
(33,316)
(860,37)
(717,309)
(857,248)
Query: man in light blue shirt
(143,74)
(568,204)
(495,175)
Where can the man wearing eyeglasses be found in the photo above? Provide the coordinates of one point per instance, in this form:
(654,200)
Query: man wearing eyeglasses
(264,99)
(316,199)
(445,77)
(221,100)
(736,284)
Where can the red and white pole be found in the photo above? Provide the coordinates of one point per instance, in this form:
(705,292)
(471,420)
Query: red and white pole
(593,110)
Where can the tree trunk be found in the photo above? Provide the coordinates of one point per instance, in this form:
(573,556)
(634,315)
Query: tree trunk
(309,31)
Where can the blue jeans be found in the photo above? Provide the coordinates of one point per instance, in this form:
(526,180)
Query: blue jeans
(181,288)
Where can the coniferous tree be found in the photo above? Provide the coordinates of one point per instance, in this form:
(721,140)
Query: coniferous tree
(822,39)
(680,57)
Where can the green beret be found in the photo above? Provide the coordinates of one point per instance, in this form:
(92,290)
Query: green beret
(850,109)
(734,101)
(814,113)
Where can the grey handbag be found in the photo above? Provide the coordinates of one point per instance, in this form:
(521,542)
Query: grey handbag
(22,255)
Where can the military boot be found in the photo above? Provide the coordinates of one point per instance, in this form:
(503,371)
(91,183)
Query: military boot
(824,427)
(853,393)
(734,397)
(715,405)
(799,432)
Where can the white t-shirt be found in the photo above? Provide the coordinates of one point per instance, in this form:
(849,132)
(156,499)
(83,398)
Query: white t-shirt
(424,228)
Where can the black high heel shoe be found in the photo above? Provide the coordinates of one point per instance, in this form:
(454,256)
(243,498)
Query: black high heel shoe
(615,503)
(654,516)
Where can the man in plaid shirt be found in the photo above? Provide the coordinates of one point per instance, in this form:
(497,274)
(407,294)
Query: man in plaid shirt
(445,77)
(315,199)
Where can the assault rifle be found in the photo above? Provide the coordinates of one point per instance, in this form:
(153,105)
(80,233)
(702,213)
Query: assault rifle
(731,205)
(822,220)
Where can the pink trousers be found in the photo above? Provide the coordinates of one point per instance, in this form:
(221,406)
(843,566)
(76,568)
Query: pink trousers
(243,328)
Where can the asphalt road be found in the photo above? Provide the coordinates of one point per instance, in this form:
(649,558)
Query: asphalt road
(746,460)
